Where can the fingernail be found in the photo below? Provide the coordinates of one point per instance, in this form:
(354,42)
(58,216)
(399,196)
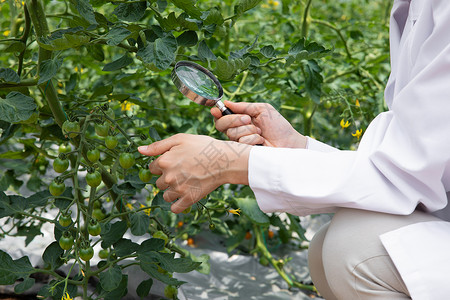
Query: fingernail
(142,148)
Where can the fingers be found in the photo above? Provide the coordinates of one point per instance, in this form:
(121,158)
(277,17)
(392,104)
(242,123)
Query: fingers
(181,205)
(160,147)
(236,133)
(253,139)
(230,121)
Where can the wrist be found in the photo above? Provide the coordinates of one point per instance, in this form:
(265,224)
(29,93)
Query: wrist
(236,156)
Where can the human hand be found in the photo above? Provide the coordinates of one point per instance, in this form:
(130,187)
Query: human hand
(192,166)
(257,123)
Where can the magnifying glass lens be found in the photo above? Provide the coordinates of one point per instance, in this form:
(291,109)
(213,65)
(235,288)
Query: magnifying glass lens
(198,82)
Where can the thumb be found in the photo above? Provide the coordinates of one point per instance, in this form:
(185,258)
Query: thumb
(251,109)
(160,147)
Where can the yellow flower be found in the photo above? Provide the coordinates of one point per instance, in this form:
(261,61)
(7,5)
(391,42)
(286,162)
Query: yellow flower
(129,206)
(66,297)
(6,32)
(357,103)
(146,211)
(235,211)
(275,3)
(126,106)
(357,133)
(346,124)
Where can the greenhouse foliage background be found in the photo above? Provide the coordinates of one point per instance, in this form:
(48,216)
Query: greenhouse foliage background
(101,70)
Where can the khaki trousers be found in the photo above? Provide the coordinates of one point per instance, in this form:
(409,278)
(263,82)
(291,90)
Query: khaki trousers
(347,260)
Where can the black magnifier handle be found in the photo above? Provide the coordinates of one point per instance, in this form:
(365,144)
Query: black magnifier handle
(227,111)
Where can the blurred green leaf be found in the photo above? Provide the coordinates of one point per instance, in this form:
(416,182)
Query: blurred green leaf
(11,270)
(16,107)
(9,75)
(131,12)
(144,288)
(48,69)
(110,278)
(251,209)
(139,223)
(160,53)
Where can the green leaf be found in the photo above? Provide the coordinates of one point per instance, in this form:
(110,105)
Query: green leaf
(118,63)
(187,39)
(119,292)
(154,134)
(9,75)
(30,232)
(313,80)
(204,52)
(160,53)
(86,11)
(212,16)
(189,7)
(251,209)
(63,41)
(302,50)
(244,5)
(48,69)
(96,52)
(131,12)
(139,223)
(169,23)
(150,267)
(24,285)
(111,233)
(116,35)
(11,270)
(169,263)
(16,46)
(268,51)
(152,244)
(144,288)
(111,278)
(228,69)
(159,200)
(125,247)
(52,256)
(16,107)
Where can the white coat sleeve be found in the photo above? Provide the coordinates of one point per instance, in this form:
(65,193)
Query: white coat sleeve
(403,158)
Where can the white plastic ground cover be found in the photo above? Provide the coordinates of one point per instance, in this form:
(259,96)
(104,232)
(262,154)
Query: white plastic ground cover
(231,277)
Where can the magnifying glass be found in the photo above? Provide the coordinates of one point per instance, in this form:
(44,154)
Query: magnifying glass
(199,85)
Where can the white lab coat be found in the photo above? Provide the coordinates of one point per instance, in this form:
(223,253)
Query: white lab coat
(403,159)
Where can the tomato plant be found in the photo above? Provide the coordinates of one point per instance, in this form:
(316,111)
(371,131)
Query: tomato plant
(94,228)
(145,175)
(94,178)
(126,160)
(93,155)
(111,141)
(60,165)
(78,75)
(66,241)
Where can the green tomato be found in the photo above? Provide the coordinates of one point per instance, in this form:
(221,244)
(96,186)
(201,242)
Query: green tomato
(98,214)
(94,179)
(86,253)
(161,235)
(60,165)
(103,254)
(71,129)
(170,292)
(93,155)
(111,141)
(64,148)
(66,241)
(126,160)
(56,189)
(94,228)
(65,220)
(145,175)
(102,129)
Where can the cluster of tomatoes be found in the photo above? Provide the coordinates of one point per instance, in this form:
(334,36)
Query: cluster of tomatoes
(104,128)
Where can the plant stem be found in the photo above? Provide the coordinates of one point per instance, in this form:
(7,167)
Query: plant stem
(241,84)
(305,23)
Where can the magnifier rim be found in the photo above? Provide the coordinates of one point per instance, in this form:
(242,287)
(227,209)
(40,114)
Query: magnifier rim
(182,63)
